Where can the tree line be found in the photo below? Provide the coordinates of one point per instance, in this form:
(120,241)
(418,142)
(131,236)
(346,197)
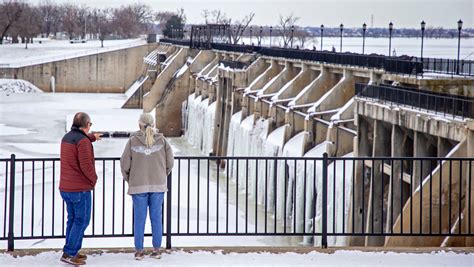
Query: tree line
(21,21)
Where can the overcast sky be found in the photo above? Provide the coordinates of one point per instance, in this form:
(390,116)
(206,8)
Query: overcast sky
(403,13)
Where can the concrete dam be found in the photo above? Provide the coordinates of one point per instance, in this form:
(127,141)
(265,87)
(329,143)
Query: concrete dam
(231,103)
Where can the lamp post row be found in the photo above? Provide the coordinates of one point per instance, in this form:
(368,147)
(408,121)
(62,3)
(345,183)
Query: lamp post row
(178,33)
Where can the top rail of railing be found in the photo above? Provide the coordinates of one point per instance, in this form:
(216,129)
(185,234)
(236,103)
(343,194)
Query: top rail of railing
(441,103)
(258,158)
(399,65)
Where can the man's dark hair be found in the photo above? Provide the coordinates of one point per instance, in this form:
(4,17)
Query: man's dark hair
(81,120)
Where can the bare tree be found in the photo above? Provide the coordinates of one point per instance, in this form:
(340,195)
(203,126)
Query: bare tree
(206,14)
(286,25)
(70,20)
(104,24)
(164,17)
(302,37)
(28,26)
(219,17)
(83,17)
(238,27)
(11,11)
(132,20)
(50,15)
(143,15)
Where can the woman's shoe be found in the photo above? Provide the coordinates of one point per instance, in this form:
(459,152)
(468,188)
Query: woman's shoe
(155,254)
(81,256)
(139,255)
(72,260)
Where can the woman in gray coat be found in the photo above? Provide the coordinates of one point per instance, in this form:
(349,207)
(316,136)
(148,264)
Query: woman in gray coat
(146,162)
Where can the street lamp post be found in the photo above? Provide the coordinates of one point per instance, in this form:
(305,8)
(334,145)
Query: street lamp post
(234,35)
(322,30)
(292,34)
(172,31)
(250,35)
(390,28)
(341,28)
(260,39)
(423,24)
(198,36)
(364,28)
(459,44)
(271,30)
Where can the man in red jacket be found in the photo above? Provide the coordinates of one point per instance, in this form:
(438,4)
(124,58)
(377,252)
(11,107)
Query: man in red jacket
(78,178)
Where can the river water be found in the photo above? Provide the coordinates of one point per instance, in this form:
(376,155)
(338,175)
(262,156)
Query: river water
(435,48)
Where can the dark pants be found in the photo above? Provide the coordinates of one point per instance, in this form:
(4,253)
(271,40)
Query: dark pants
(78,216)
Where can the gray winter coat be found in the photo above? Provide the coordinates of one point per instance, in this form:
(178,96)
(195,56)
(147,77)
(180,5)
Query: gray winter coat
(146,169)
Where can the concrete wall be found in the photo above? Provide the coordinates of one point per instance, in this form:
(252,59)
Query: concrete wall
(109,72)
(163,80)
(319,99)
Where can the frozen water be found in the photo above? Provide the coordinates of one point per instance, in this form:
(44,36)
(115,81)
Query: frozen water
(232,143)
(273,148)
(339,198)
(199,116)
(286,178)
(8,130)
(208,128)
(105,121)
(40,209)
(41,120)
(314,190)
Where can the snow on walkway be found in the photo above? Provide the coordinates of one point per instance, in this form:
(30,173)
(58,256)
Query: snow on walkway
(218,258)
(15,55)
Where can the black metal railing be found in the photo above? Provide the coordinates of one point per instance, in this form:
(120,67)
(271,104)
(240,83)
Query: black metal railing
(183,42)
(448,66)
(327,199)
(233,64)
(389,64)
(399,65)
(440,103)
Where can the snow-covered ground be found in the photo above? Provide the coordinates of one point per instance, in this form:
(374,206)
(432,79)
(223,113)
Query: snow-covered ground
(10,86)
(218,258)
(15,55)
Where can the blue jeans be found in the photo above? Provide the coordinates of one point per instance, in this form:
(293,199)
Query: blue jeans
(78,206)
(141,202)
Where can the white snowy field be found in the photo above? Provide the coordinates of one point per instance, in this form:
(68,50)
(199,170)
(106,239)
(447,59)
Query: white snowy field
(32,125)
(219,258)
(15,55)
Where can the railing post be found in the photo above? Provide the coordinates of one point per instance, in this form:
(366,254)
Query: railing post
(324,234)
(11,213)
(168,213)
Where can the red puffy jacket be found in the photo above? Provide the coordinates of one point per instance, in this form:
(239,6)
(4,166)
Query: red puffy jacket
(77,162)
